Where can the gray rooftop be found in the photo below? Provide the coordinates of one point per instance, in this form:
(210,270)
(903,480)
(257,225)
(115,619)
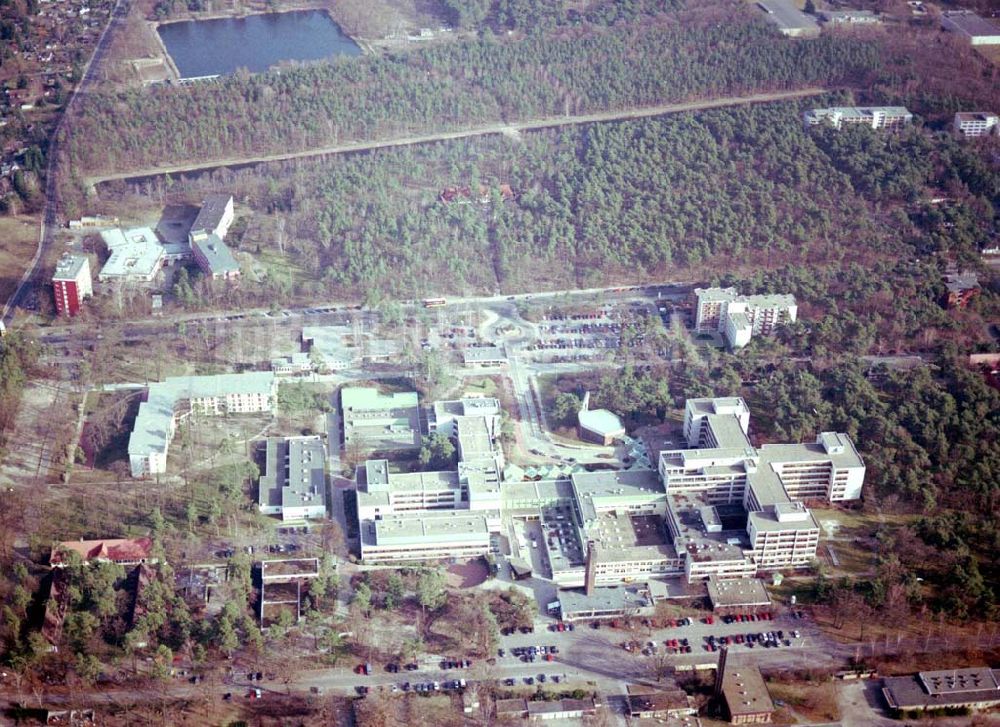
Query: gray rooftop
(295,472)
(786,16)
(69,266)
(211,212)
(152,424)
(935,689)
(966,22)
(732,592)
(483,354)
(216,255)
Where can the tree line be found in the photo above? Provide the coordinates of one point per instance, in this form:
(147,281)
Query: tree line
(448,86)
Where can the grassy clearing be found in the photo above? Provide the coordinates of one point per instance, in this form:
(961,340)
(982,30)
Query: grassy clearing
(18,239)
(806,702)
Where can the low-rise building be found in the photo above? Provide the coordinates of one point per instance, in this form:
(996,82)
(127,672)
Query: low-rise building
(215,258)
(71,283)
(975,688)
(599,426)
(976,123)
(789,19)
(214,218)
(294,483)
(960,288)
(136,256)
(123,551)
(849,17)
(648,703)
(973,28)
(875,117)
(744,694)
(742,594)
(376,421)
(295,363)
(484,356)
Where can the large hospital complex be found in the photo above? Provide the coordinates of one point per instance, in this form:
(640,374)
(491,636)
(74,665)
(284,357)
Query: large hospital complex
(720,507)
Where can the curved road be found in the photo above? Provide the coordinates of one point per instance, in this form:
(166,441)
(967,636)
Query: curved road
(50,212)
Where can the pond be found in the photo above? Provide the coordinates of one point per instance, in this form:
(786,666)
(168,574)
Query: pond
(256,42)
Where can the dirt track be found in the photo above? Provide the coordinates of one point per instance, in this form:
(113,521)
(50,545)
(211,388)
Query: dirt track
(499,128)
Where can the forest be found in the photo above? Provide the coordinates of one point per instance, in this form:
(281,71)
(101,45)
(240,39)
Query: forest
(727,194)
(453,85)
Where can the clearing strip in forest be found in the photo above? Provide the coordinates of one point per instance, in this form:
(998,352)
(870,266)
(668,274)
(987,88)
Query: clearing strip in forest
(497,128)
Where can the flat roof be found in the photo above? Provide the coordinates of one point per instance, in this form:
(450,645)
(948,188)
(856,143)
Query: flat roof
(728,431)
(481,354)
(365,398)
(295,472)
(70,265)
(911,692)
(134,252)
(786,16)
(216,255)
(734,592)
(714,295)
(328,341)
(151,431)
(446,526)
(611,599)
(744,690)
(474,439)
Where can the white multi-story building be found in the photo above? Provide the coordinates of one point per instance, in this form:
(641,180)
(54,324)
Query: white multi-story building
(136,256)
(768,483)
(875,117)
(720,507)
(740,317)
(178,396)
(976,123)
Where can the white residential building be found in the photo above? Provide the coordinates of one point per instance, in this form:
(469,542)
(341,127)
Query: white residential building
(740,317)
(976,123)
(876,117)
(166,401)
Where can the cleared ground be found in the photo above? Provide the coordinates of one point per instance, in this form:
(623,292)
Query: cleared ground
(18,238)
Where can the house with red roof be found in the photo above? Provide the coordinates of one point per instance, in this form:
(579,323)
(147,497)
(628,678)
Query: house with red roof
(116,550)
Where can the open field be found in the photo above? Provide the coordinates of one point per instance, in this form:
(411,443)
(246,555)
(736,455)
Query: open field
(18,238)
(805,702)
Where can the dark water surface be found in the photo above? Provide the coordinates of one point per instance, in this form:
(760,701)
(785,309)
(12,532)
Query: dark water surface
(256,42)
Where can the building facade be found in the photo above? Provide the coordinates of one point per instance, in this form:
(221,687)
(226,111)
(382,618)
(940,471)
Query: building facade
(875,117)
(976,123)
(166,401)
(740,317)
(71,283)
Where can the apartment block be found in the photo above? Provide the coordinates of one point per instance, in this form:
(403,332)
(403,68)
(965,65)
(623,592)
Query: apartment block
(976,123)
(180,396)
(71,283)
(875,117)
(740,317)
